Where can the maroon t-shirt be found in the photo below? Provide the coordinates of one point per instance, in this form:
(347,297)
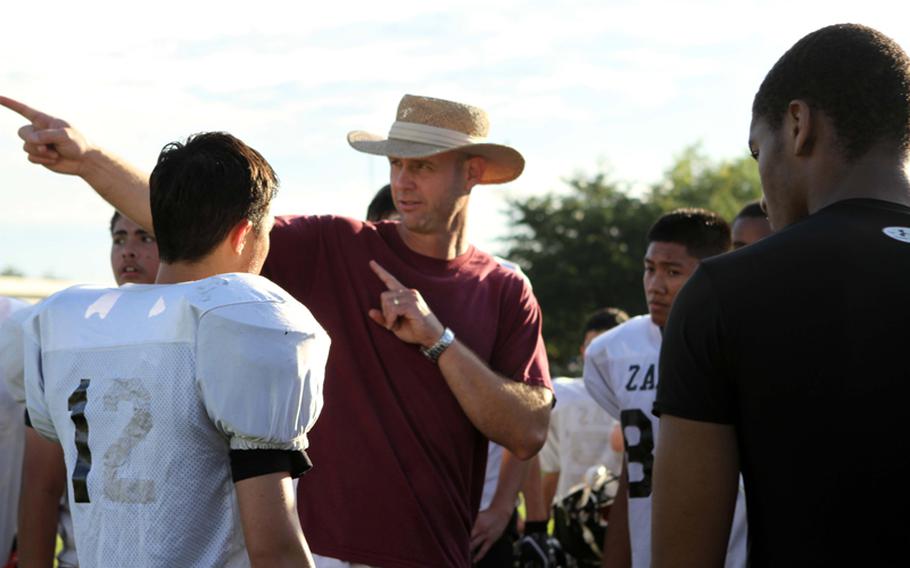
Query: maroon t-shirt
(398,467)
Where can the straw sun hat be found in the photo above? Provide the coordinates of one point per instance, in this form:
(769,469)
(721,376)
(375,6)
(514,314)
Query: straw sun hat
(426,126)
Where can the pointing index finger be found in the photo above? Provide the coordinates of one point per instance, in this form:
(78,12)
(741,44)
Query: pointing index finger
(20,108)
(390,281)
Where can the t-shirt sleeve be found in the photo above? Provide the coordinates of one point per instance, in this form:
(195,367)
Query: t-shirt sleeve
(520,353)
(598,381)
(260,369)
(695,382)
(35,397)
(294,250)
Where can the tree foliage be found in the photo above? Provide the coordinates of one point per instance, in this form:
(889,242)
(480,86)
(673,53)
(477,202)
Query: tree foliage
(583,250)
(694,180)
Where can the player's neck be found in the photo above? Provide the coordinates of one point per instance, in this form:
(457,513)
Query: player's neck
(877,175)
(175,272)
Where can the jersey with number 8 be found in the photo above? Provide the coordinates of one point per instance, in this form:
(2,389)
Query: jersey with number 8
(621,373)
(149,388)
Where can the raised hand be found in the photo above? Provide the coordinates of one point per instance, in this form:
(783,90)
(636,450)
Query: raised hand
(404,312)
(50,141)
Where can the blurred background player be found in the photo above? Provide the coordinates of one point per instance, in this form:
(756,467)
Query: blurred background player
(750,225)
(11,448)
(43,508)
(134,252)
(621,373)
(582,436)
(580,430)
(382,207)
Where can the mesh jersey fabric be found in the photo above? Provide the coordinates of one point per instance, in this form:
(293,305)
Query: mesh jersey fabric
(621,373)
(12,444)
(148,388)
(11,378)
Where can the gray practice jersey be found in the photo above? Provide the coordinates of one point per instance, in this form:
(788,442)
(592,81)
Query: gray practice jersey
(148,388)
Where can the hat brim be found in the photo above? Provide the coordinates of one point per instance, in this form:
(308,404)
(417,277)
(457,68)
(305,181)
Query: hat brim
(504,163)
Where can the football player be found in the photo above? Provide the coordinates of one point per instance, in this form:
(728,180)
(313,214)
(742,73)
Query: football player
(182,408)
(750,225)
(621,374)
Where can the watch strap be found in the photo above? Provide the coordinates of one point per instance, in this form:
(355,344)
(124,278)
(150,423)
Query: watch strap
(434,351)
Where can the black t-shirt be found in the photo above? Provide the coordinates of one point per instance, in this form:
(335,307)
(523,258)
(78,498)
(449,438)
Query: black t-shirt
(802,342)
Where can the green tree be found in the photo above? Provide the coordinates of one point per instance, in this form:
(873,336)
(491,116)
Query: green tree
(583,250)
(11,271)
(694,180)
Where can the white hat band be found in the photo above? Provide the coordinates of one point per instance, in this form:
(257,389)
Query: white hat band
(433,135)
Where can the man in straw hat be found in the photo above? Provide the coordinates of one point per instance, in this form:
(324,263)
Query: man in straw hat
(435,347)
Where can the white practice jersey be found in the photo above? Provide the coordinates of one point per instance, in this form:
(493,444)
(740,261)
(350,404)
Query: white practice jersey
(149,387)
(578,438)
(621,374)
(12,444)
(491,476)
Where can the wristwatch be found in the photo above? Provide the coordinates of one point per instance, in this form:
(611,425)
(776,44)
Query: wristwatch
(433,352)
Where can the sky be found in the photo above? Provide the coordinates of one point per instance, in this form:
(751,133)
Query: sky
(578,87)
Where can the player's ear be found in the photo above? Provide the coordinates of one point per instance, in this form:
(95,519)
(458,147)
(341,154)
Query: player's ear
(801,121)
(238,235)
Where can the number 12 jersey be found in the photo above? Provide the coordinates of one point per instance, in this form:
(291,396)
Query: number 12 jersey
(149,390)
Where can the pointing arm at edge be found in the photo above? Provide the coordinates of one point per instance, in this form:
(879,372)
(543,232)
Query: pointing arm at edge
(54,144)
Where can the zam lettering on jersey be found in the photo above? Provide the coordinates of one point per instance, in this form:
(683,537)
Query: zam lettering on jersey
(642,380)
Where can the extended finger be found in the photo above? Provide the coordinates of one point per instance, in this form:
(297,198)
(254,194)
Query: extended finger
(390,281)
(22,109)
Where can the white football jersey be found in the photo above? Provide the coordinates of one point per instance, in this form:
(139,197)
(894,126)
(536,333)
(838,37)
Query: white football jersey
(578,437)
(149,387)
(621,373)
(12,443)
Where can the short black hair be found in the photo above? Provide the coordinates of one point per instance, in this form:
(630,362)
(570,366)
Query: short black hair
(605,319)
(751,210)
(114,218)
(703,233)
(856,75)
(202,188)
(382,206)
